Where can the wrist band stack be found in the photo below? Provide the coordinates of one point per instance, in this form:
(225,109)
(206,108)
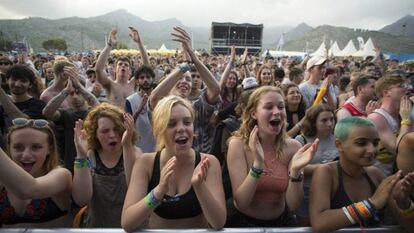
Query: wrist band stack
(82,163)
(151,200)
(256,172)
(361,212)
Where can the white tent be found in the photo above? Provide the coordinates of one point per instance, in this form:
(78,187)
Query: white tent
(320,51)
(334,49)
(163,50)
(348,50)
(369,48)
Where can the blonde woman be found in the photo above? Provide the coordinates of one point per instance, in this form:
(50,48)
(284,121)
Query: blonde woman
(265,165)
(175,187)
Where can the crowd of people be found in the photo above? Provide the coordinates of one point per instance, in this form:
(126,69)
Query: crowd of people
(196,140)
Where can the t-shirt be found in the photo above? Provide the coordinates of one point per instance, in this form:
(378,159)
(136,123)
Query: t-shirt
(146,141)
(67,120)
(309,92)
(32,107)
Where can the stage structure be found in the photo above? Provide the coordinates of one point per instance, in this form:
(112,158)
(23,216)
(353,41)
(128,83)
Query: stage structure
(224,35)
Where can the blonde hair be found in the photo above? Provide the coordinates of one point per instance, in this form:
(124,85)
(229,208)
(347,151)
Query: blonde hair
(52,160)
(162,114)
(248,122)
(91,123)
(59,65)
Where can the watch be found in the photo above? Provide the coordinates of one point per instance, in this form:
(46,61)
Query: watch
(299,178)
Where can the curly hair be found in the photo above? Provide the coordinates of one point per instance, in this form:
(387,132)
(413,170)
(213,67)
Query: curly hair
(248,122)
(91,123)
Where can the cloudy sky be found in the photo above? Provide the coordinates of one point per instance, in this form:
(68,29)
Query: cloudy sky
(366,14)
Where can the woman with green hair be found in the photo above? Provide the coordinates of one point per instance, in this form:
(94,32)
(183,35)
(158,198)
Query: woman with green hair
(352,192)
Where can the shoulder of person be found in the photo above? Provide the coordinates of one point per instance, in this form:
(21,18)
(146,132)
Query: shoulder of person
(293,143)
(147,157)
(375,174)
(327,170)
(236,141)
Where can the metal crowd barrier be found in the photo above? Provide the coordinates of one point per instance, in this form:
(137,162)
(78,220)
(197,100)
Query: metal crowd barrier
(387,229)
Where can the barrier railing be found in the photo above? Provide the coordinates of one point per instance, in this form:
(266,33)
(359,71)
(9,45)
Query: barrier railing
(387,229)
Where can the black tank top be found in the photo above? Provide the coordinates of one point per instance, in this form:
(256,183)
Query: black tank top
(341,199)
(180,206)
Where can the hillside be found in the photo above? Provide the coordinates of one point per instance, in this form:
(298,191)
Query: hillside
(387,42)
(90,33)
(402,27)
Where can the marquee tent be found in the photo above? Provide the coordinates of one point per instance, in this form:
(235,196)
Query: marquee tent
(349,50)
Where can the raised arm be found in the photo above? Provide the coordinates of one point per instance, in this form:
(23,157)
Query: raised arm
(243,63)
(300,159)
(25,186)
(228,68)
(213,88)
(134,34)
(73,74)
(51,109)
(82,178)
(164,88)
(242,182)
(101,74)
(129,150)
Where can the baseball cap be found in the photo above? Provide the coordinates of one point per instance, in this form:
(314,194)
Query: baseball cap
(249,83)
(314,61)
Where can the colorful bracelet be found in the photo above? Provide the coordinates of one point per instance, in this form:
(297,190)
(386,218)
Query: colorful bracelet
(151,200)
(254,174)
(372,209)
(82,163)
(348,215)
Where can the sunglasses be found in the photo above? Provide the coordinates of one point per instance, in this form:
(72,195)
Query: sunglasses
(38,123)
(4,63)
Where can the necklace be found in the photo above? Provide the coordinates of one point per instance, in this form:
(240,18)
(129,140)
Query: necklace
(346,173)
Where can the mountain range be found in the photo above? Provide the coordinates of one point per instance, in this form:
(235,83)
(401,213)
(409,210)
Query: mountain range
(90,33)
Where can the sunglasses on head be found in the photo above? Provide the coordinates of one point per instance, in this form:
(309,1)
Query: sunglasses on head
(4,63)
(38,123)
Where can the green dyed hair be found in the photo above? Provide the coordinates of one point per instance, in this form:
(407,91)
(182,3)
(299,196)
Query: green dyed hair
(344,126)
